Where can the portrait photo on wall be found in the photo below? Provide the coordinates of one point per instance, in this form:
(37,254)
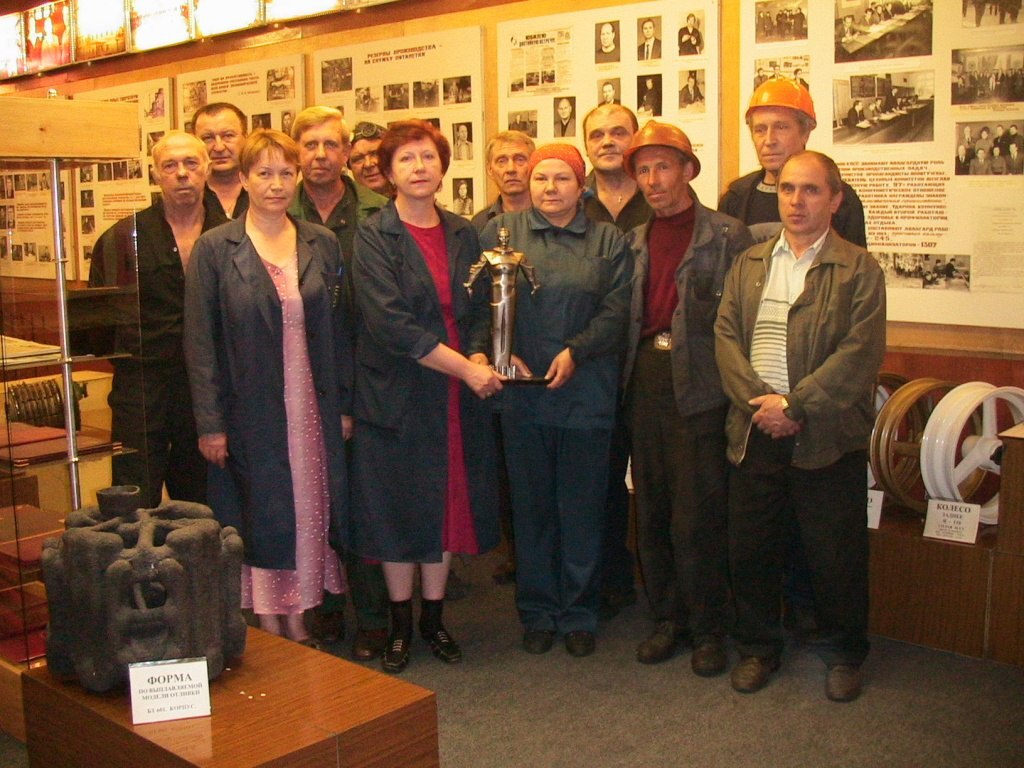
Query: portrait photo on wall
(690,39)
(926,270)
(866,30)
(985,13)
(524,120)
(425,93)
(565,117)
(368,99)
(648,38)
(988,75)
(336,75)
(780,20)
(790,67)
(462,197)
(606,42)
(462,141)
(992,147)
(886,108)
(396,96)
(609,91)
(691,90)
(648,96)
(261,120)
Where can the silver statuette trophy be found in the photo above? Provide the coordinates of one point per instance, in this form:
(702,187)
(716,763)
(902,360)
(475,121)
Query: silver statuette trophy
(503,264)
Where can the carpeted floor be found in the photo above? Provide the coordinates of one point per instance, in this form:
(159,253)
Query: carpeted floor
(503,707)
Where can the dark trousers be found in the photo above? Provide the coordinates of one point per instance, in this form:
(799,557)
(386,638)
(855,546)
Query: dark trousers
(151,413)
(559,480)
(680,476)
(369,594)
(829,506)
(616,560)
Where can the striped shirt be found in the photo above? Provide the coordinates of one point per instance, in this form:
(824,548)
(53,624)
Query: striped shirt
(785,283)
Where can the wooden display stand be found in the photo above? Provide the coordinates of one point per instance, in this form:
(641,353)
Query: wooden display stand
(966,598)
(283,705)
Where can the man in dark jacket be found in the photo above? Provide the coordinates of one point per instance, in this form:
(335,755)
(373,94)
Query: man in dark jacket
(675,405)
(151,408)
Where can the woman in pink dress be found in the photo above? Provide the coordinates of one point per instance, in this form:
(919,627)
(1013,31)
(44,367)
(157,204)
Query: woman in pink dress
(269,365)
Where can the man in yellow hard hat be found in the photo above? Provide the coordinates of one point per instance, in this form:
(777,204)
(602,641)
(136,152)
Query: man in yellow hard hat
(781,118)
(675,406)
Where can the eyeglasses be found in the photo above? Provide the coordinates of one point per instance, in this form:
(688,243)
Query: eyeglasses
(365,130)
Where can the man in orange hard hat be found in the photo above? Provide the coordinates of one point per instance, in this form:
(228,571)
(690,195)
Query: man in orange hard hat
(675,406)
(781,118)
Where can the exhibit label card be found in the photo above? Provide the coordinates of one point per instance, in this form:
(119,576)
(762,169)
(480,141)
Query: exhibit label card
(874,508)
(952,520)
(169,690)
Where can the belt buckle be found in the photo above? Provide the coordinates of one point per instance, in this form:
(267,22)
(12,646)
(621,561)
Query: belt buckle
(663,341)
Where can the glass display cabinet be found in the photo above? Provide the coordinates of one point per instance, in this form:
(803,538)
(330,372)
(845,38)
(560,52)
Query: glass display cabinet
(57,339)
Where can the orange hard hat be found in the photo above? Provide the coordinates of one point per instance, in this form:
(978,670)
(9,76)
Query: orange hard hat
(655,134)
(783,92)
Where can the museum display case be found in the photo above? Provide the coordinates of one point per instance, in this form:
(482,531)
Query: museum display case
(57,338)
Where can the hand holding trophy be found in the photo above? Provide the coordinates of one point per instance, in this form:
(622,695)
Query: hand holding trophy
(504,264)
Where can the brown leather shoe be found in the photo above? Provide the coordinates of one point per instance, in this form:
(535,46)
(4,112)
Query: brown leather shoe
(660,646)
(328,627)
(751,674)
(843,682)
(369,644)
(708,659)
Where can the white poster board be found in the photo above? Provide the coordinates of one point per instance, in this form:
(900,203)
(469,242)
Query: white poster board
(546,65)
(436,76)
(949,242)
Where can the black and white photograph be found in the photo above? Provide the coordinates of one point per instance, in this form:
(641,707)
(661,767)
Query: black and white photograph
(884,108)
(607,45)
(989,148)
(462,197)
(926,271)
(367,99)
(17,254)
(648,38)
(462,141)
(426,93)
(88,224)
(30,251)
(87,199)
(9,187)
(336,75)
(19,182)
(524,120)
(44,253)
(287,119)
(989,15)
(32,182)
(691,90)
(648,96)
(85,174)
(691,34)
(281,84)
(3,246)
(790,67)
(12,222)
(565,117)
(458,90)
(780,20)
(609,90)
(396,96)
(866,30)
(988,75)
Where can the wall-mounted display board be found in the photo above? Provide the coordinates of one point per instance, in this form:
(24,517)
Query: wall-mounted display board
(898,88)
(436,77)
(48,36)
(660,59)
(108,191)
(12,46)
(269,91)
(101,29)
(26,220)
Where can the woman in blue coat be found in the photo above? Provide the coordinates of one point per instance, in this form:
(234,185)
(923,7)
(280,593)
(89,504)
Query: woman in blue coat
(423,453)
(269,364)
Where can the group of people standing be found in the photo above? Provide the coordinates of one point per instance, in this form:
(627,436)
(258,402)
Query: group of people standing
(344,401)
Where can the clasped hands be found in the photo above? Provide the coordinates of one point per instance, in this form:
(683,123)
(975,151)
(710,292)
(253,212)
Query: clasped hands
(485,382)
(770,417)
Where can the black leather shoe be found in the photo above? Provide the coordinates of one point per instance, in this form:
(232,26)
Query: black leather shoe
(751,674)
(579,643)
(442,645)
(708,659)
(369,644)
(396,655)
(538,640)
(660,646)
(328,627)
(843,683)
